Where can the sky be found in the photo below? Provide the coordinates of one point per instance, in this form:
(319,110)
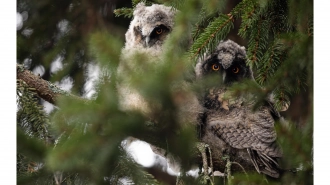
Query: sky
(8,16)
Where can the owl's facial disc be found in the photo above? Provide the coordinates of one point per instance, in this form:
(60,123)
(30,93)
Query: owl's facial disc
(212,67)
(225,71)
(238,71)
(158,34)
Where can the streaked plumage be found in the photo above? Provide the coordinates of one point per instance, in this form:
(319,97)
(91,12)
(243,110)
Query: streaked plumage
(229,124)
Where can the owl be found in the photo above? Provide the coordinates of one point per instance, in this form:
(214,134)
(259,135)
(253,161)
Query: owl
(145,37)
(229,124)
(149,28)
(144,45)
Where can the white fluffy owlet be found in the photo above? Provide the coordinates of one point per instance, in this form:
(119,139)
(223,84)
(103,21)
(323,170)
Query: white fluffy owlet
(146,34)
(149,28)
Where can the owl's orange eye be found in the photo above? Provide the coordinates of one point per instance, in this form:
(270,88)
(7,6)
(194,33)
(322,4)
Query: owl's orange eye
(235,70)
(159,31)
(215,67)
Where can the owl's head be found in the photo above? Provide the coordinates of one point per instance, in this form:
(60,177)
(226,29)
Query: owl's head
(228,62)
(150,26)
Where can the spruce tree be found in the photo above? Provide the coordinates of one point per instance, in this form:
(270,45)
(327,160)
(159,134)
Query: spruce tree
(81,140)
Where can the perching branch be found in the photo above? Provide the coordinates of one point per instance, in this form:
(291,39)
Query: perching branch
(43,88)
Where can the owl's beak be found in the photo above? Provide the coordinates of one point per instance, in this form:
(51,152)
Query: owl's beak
(147,41)
(224,77)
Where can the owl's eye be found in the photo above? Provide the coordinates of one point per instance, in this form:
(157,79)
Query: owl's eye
(215,67)
(235,70)
(159,31)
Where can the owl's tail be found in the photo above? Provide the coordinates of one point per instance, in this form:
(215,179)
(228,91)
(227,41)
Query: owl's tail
(264,163)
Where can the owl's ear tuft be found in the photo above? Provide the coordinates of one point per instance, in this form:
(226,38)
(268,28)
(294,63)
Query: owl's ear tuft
(139,8)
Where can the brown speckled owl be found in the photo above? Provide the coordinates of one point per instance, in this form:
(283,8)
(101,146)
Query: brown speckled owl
(229,124)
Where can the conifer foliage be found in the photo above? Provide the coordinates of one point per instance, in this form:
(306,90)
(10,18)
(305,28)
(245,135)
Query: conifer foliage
(83,141)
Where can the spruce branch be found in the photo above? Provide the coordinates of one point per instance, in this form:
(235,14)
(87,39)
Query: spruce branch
(126,12)
(44,89)
(270,61)
(245,7)
(254,46)
(281,65)
(246,10)
(30,115)
(281,97)
(177,4)
(133,170)
(216,31)
(51,93)
(135,2)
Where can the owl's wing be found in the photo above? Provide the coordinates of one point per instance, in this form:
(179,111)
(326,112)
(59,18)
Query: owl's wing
(263,163)
(243,128)
(254,131)
(263,155)
(262,127)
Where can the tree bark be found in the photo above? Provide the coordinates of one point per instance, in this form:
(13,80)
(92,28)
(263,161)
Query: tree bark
(45,90)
